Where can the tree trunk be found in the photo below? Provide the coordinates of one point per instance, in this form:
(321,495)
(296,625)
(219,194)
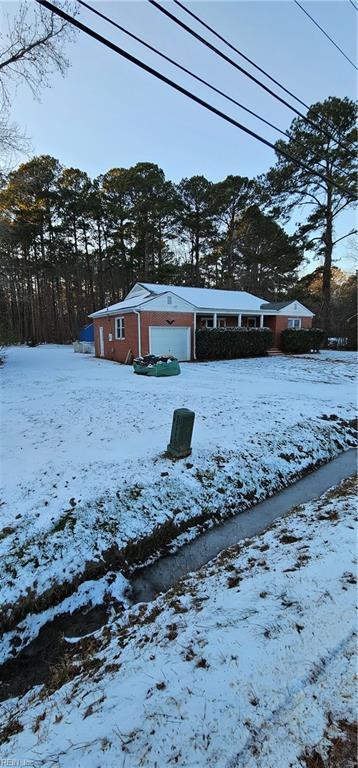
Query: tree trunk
(327,266)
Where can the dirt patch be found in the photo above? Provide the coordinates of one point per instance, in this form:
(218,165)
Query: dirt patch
(288,539)
(49,653)
(10,729)
(341,752)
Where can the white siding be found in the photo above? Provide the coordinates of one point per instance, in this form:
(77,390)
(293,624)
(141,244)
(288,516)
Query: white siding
(167,302)
(137,290)
(296,309)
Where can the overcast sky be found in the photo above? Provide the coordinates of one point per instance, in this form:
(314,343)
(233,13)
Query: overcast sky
(107,112)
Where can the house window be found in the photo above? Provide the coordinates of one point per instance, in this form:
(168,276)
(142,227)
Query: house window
(294,322)
(169,299)
(119,324)
(250,321)
(207,322)
(222,322)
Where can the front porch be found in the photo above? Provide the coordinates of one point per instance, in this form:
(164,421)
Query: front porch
(215,320)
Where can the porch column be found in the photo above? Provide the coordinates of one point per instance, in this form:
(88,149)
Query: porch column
(239,321)
(215,320)
(261,321)
(194,335)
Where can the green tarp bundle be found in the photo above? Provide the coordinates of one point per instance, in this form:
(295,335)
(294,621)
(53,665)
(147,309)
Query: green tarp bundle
(156,366)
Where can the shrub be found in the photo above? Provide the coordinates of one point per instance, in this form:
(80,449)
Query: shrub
(228,343)
(352,334)
(6,339)
(297,342)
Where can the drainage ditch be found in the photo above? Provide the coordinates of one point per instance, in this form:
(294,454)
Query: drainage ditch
(34,664)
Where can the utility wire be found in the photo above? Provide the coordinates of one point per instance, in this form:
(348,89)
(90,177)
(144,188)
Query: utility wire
(326,34)
(181,67)
(354,5)
(108,43)
(244,71)
(184,69)
(260,69)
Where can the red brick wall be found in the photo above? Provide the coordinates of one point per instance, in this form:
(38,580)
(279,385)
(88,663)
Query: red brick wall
(117,349)
(161,318)
(280,322)
(306,322)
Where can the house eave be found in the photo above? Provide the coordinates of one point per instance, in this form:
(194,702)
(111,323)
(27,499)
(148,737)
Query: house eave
(226,312)
(114,313)
(197,310)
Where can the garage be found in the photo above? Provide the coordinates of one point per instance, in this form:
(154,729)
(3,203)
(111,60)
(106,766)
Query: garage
(164,340)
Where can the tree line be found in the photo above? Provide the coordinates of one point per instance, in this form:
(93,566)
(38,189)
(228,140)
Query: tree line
(70,244)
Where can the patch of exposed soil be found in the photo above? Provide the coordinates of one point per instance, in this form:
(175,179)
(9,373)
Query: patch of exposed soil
(342,750)
(36,662)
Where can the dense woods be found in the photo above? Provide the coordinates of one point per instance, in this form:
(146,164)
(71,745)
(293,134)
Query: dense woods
(70,244)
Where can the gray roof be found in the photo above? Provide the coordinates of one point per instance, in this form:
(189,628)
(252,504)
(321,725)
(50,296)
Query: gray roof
(210,299)
(276,304)
(201,299)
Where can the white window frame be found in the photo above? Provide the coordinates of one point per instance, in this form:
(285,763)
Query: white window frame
(169,299)
(222,322)
(294,323)
(121,335)
(206,320)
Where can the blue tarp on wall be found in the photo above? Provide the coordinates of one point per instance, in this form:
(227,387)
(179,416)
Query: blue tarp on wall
(87,333)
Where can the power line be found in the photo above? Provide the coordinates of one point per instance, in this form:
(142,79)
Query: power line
(326,34)
(244,71)
(181,67)
(184,69)
(354,5)
(260,69)
(129,57)
(240,53)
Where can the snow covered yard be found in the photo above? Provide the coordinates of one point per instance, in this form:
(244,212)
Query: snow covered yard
(86,486)
(247,664)
(74,425)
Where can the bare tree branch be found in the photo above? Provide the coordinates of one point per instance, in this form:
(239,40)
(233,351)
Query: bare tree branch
(31,50)
(32,47)
(348,234)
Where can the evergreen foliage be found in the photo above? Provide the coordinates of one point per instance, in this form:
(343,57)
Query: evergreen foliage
(297,342)
(352,333)
(290,188)
(228,343)
(70,244)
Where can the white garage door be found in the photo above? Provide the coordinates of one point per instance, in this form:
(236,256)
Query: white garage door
(166,340)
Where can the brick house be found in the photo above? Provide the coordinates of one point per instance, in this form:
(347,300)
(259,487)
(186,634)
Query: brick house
(162,319)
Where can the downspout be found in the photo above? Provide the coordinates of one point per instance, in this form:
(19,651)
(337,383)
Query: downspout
(139,333)
(194,336)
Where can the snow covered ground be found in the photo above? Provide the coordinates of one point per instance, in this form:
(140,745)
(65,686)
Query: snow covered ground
(246,664)
(83,466)
(75,424)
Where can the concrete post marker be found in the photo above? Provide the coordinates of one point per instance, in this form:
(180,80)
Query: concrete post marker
(182,430)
